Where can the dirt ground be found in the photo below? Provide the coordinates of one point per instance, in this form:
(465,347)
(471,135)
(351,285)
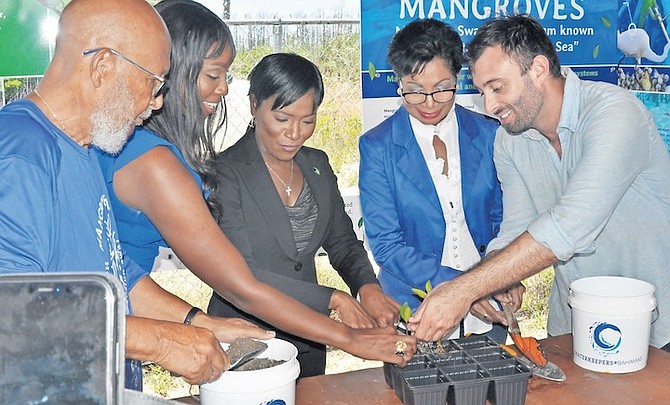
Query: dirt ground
(338,361)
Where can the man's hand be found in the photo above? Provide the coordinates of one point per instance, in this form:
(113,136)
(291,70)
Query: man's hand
(382,308)
(512,296)
(187,350)
(484,310)
(350,311)
(440,312)
(229,329)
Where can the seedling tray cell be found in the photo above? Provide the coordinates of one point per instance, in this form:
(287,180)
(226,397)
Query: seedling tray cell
(510,382)
(419,363)
(424,387)
(451,359)
(470,384)
(474,342)
(488,354)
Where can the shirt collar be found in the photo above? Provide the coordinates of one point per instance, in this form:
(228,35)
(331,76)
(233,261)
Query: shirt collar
(570,108)
(427,131)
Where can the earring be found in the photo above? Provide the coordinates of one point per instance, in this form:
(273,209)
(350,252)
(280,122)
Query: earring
(252,124)
(399,91)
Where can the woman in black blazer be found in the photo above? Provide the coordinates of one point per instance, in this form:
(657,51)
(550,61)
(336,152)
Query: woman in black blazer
(281,204)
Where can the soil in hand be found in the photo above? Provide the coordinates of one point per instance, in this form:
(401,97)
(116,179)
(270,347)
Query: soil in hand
(259,363)
(242,346)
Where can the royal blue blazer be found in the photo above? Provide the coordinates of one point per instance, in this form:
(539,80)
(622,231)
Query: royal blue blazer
(402,215)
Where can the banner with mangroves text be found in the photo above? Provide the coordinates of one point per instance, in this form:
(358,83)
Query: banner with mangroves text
(617,41)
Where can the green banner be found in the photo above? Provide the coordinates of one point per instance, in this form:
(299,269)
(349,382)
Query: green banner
(25,37)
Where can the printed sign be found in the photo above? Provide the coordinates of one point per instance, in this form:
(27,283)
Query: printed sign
(617,41)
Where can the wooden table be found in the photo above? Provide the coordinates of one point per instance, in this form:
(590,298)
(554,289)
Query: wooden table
(650,385)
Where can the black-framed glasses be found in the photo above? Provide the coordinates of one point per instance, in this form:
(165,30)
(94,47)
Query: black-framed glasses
(419,97)
(161,80)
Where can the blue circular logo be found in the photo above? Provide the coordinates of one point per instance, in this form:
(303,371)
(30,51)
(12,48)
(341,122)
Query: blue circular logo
(605,337)
(275,402)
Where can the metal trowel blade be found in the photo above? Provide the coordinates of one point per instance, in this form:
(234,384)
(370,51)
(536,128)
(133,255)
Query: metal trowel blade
(550,371)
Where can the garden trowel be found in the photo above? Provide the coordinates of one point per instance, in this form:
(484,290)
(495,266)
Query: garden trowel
(532,355)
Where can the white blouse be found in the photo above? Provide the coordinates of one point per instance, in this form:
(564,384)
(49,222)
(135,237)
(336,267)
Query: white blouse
(459,251)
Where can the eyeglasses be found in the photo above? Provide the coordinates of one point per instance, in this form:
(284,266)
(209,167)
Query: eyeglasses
(161,79)
(419,97)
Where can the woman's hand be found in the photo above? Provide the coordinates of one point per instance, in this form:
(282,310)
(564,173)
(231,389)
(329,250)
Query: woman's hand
(229,329)
(382,344)
(350,311)
(382,308)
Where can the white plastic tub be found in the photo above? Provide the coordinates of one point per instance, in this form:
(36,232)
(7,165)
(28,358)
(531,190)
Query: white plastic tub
(611,323)
(270,386)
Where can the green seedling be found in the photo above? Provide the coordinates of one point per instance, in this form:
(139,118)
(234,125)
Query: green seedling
(423,293)
(406,312)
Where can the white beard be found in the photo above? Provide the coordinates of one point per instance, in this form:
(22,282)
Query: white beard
(110,123)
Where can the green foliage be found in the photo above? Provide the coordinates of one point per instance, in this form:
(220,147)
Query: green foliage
(246,60)
(372,70)
(158,380)
(405,312)
(535,305)
(645,8)
(423,293)
(605,21)
(420,293)
(13,84)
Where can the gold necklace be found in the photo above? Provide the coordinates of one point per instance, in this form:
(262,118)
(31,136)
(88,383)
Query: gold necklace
(288,188)
(60,124)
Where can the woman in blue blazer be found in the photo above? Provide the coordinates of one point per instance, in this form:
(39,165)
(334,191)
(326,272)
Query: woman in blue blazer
(429,192)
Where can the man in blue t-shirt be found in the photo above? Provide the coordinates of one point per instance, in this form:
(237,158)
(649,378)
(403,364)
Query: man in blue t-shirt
(105,78)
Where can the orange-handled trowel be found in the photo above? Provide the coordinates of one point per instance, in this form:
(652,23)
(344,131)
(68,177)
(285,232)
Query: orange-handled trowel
(532,355)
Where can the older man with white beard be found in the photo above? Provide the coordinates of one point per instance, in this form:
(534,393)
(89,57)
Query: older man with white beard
(105,78)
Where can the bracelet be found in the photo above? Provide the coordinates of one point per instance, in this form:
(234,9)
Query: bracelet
(191,314)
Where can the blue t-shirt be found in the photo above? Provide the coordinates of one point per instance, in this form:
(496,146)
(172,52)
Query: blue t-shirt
(138,235)
(55,214)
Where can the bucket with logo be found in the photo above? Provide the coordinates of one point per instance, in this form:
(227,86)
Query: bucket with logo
(611,323)
(269,386)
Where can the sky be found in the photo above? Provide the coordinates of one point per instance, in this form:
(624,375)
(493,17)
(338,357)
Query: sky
(286,8)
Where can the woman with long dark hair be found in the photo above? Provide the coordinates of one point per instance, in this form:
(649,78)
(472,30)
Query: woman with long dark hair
(160,181)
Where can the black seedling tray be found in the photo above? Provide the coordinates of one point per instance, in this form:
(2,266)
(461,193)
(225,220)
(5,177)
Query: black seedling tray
(465,371)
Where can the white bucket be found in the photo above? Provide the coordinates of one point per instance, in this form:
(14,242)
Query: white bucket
(611,323)
(270,386)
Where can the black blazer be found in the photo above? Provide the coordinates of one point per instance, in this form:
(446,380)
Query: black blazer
(256,221)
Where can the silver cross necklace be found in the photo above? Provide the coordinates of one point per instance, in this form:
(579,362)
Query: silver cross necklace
(288,188)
